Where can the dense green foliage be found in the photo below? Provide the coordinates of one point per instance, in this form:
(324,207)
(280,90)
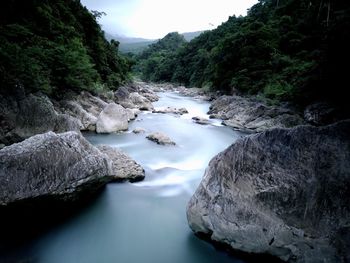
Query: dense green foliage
(134,48)
(137,45)
(292,50)
(54,46)
(154,62)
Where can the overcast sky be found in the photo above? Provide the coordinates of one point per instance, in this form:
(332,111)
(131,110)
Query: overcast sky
(155,18)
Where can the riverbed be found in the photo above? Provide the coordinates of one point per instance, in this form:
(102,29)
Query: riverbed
(145,221)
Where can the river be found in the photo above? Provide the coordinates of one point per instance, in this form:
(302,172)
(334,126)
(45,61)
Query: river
(145,221)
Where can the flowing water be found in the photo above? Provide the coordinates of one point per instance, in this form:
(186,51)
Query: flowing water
(146,221)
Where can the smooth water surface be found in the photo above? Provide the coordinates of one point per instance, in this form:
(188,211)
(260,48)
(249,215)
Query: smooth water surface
(146,221)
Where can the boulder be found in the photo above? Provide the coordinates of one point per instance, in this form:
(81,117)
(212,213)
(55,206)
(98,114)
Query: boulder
(139,130)
(84,107)
(201,120)
(172,110)
(92,104)
(65,122)
(130,99)
(56,166)
(122,93)
(140,102)
(113,118)
(131,113)
(283,192)
(252,115)
(160,138)
(73,108)
(149,94)
(123,167)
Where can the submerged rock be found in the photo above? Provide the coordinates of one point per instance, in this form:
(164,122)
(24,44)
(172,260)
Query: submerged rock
(56,166)
(123,167)
(113,118)
(283,192)
(160,138)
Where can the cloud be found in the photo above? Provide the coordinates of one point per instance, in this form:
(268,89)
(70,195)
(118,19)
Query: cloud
(155,18)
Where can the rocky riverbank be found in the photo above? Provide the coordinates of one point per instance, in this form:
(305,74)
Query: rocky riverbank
(41,162)
(251,115)
(24,116)
(46,165)
(248,114)
(277,192)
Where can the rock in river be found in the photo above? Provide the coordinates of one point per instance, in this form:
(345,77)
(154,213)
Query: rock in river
(173,110)
(138,130)
(160,138)
(59,166)
(201,120)
(284,192)
(123,167)
(113,118)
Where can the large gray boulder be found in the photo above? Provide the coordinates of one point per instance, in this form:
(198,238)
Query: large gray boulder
(123,167)
(113,118)
(284,192)
(58,166)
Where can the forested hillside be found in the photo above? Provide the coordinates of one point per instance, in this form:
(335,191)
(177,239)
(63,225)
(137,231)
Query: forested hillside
(157,62)
(52,46)
(292,50)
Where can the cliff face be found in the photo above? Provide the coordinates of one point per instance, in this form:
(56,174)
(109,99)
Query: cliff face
(283,192)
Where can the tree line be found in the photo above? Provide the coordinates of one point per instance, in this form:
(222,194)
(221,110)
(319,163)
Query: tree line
(53,46)
(285,50)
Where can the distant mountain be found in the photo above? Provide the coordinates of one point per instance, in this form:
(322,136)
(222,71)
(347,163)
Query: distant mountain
(130,44)
(125,39)
(191,35)
(136,45)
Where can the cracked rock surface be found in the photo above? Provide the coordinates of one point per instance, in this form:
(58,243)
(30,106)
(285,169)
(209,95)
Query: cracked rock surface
(283,192)
(56,165)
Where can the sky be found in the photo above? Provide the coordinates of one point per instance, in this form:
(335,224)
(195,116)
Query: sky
(153,19)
